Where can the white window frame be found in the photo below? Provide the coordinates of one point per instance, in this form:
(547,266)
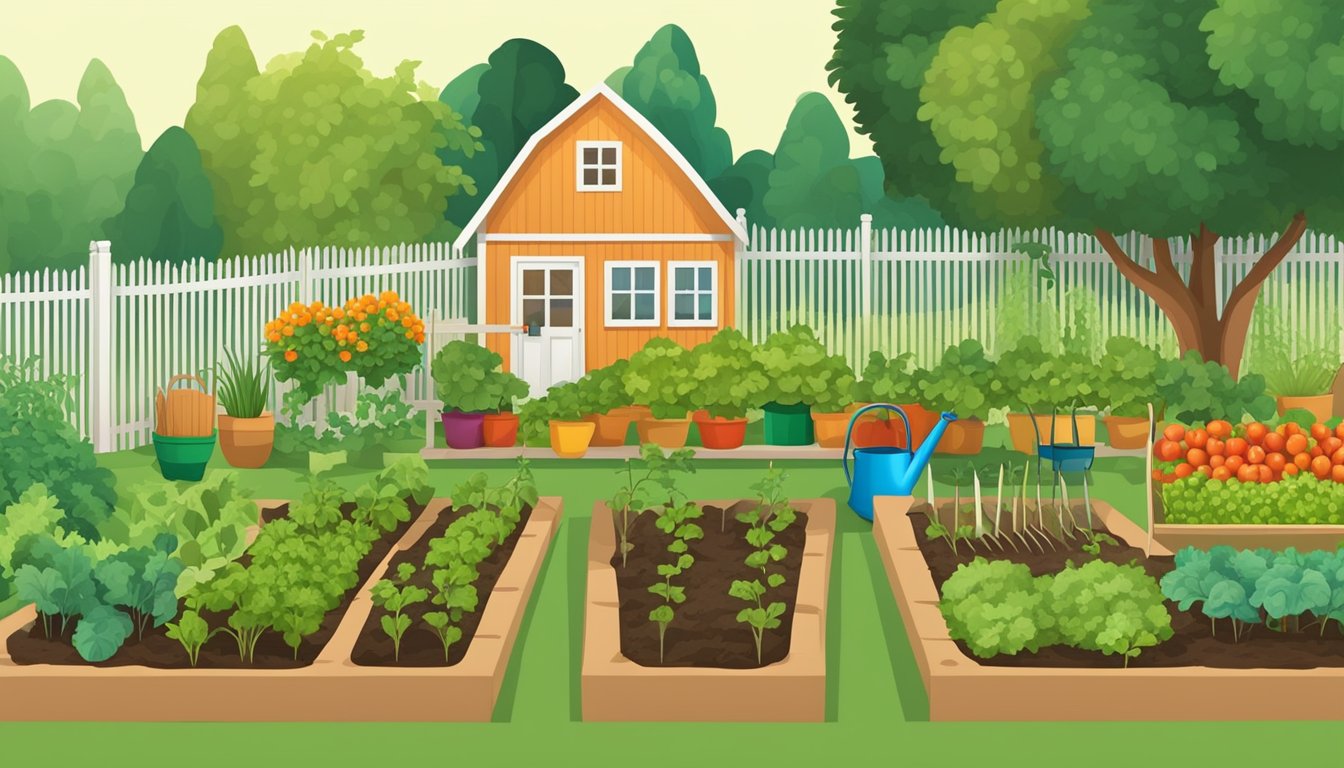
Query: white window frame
(657,320)
(579,166)
(713,320)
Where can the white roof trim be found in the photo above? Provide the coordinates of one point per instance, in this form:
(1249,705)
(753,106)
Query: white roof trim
(565,114)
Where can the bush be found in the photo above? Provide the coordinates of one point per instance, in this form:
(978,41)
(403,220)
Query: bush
(316,345)
(960,382)
(800,371)
(603,389)
(729,380)
(1028,377)
(562,402)
(377,420)
(1299,499)
(659,376)
(994,607)
(894,380)
(1192,390)
(1127,372)
(39,446)
(467,378)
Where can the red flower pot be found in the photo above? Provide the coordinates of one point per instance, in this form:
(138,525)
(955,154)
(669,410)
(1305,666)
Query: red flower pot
(500,430)
(720,434)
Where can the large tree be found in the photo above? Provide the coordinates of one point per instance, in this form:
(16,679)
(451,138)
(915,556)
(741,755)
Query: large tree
(64,168)
(666,85)
(317,150)
(1200,119)
(170,211)
(517,91)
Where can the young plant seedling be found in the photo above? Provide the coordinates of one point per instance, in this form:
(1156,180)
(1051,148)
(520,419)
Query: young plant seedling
(1095,540)
(395,596)
(677,522)
(192,632)
(771,516)
(656,485)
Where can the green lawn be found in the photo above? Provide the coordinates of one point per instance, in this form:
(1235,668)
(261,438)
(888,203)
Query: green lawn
(876,710)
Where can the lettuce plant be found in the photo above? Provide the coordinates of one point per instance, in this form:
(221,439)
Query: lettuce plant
(192,632)
(1295,500)
(895,380)
(994,606)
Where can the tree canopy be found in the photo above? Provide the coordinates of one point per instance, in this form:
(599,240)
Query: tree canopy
(170,211)
(317,150)
(64,168)
(1205,119)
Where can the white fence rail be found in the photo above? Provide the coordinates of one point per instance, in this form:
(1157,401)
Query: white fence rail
(124,329)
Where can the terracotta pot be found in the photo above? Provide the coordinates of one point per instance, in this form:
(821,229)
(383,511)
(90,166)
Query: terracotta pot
(922,422)
(829,428)
(1126,432)
(635,412)
(963,437)
(570,439)
(665,433)
(872,428)
(247,443)
(500,430)
(721,434)
(610,428)
(889,430)
(1319,405)
(1023,436)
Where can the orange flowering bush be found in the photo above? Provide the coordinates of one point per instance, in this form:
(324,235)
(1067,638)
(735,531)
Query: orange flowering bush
(377,337)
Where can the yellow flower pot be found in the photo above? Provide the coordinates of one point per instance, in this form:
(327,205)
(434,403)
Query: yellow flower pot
(570,439)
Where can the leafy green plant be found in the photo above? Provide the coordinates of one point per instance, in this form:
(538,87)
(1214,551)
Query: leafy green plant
(244,386)
(381,501)
(1115,609)
(603,389)
(1192,390)
(394,596)
(678,522)
(729,380)
(192,632)
(883,380)
(771,515)
(378,420)
(659,376)
(960,382)
(654,486)
(1300,375)
(563,402)
(1127,372)
(800,371)
(467,378)
(1028,376)
(1295,500)
(1095,540)
(441,624)
(995,607)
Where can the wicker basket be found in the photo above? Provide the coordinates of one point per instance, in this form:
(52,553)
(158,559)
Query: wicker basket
(184,412)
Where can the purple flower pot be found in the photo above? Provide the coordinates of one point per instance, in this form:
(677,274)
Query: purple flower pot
(463,430)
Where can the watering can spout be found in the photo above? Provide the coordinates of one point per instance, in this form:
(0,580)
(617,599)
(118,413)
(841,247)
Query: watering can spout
(921,458)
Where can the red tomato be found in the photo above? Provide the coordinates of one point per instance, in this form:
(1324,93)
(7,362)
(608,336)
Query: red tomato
(1220,429)
(1255,455)
(1302,460)
(1320,467)
(1274,442)
(1319,431)
(1205,470)
(1337,457)
(1185,469)
(1339,430)
(1316,450)
(1255,432)
(1266,474)
(1215,447)
(1167,450)
(1290,470)
(1196,438)
(1234,464)
(1331,444)
(1337,473)
(1174,433)
(1248,473)
(1295,444)
(1196,457)
(1276,461)
(1236,446)
(1221,473)
(1217,461)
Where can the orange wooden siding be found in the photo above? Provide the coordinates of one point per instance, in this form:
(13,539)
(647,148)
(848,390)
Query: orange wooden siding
(655,196)
(603,345)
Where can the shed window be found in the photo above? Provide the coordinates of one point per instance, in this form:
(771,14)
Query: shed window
(692,296)
(632,293)
(599,166)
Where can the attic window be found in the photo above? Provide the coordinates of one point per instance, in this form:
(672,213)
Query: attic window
(599,166)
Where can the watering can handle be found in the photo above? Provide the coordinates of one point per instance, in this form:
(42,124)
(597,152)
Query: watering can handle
(844,458)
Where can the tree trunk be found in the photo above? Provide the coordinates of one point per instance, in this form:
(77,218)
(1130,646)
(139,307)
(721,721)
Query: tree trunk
(1192,307)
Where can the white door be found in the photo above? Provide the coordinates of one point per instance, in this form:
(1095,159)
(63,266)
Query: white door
(548,292)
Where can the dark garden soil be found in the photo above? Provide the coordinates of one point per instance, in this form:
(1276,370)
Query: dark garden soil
(420,647)
(1192,643)
(158,650)
(705,631)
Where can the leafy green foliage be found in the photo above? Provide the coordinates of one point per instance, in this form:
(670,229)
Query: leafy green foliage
(1295,500)
(192,632)
(1115,609)
(394,596)
(677,521)
(729,380)
(1300,375)
(800,370)
(144,582)
(381,502)
(1028,376)
(362,130)
(378,420)
(1192,390)
(771,515)
(655,486)
(170,210)
(38,445)
(659,376)
(562,402)
(960,382)
(1127,372)
(602,389)
(244,387)
(467,379)
(101,632)
(883,380)
(995,607)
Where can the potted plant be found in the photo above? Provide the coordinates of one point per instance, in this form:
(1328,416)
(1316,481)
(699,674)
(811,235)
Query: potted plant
(728,382)
(800,374)
(246,428)
(1049,386)
(570,434)
(960,383)
(606,403)
(659,377)
(895,381)
(1302,381)
(468,382)
(1127,371)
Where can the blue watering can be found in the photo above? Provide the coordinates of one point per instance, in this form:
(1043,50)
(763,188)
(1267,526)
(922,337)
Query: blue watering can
(886,471)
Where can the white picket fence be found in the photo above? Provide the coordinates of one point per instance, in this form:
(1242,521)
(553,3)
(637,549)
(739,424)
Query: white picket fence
(125,329)
(919,291)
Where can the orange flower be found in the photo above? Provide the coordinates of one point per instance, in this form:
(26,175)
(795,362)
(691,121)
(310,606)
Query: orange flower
(289,330)
(291,356)
(352,336)
(410,334)
(365,327)
(274,337)
(392,315)
(406,322)
(338,313)
(345,355)
(362,346)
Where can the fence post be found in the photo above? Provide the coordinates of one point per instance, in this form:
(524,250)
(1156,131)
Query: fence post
(865,286)
(100,346)
(739,270)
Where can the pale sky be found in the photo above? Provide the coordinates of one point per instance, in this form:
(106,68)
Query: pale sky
(759,55)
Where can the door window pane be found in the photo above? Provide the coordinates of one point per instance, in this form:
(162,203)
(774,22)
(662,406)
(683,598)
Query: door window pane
(562,313)
(534,282)
(562,282)
(534,311)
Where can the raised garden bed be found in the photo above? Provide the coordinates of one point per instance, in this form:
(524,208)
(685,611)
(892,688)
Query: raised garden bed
(1195,675)
(330,687)
(1174,536)
(710,670)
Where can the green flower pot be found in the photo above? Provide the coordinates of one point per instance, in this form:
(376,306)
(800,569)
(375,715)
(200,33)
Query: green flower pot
(788,424)
(184,458)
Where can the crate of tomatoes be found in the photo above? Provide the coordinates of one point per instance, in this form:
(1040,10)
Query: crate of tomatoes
(1249,453)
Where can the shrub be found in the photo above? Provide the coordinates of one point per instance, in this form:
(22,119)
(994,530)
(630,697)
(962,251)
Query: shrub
(1127,372)
(659,376)
(994,606)
(603,389)
(960,382)
(800,371)
(377,420)
(38,445)
(895,380)
(729,380)
(1027,376)
(467,378)
(315,345)
(1192,390)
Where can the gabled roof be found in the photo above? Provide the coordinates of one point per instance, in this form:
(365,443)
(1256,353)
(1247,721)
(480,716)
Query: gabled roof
(606,92)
